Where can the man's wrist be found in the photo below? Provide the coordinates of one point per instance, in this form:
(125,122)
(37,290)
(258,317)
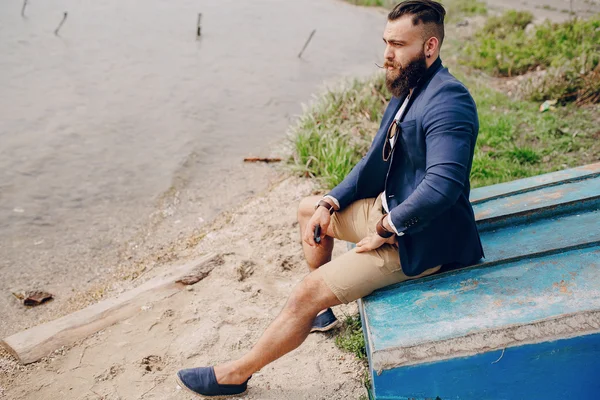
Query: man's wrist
(382,230)
(330,203)
(333,201)
(386,224)
(326,205)
(389,225)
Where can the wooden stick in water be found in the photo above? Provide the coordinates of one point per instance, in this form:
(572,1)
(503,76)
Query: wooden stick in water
(307,42)
(61,24)
(198,29)
(23,9)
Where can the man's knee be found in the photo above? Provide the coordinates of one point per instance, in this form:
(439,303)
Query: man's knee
(311,295)
(306,208)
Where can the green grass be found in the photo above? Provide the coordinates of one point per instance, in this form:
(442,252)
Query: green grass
(510,22)
(463,8)
(351,337)
(569,51)
(502,47)
(516,140)
(374,3)
(454,8)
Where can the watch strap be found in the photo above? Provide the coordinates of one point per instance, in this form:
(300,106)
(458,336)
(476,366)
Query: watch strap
(326,204)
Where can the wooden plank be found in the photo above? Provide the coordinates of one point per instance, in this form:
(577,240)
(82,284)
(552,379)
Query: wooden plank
(37,342)
(549,198)
(533,183)
(540,237)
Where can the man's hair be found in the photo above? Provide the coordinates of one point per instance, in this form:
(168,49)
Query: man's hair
(430,13)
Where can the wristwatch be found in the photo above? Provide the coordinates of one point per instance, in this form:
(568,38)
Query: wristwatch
(326,205)
(381,231)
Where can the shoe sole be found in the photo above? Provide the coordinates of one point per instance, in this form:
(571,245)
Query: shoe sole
(326,328)
(225,396)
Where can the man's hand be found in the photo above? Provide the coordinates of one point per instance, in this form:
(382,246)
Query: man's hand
(322,218)
(373,242)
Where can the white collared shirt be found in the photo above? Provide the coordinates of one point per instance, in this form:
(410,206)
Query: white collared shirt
(384,203)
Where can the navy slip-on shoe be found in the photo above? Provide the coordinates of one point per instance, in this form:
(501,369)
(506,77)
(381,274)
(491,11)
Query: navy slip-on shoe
(202,381)
(325,322)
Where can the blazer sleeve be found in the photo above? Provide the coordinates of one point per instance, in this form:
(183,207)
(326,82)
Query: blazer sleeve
(449,125)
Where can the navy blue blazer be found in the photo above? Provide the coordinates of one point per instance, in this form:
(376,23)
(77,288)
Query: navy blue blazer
(427,181)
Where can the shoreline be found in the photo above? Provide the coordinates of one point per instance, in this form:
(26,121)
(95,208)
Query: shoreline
(151,246)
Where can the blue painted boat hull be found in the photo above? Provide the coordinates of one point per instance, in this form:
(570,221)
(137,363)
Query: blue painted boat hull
(524,323)
(559,370)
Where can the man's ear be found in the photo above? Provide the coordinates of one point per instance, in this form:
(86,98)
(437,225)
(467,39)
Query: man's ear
(430,46)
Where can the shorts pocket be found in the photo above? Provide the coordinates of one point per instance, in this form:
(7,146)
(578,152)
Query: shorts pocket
(389,259)
(375,214)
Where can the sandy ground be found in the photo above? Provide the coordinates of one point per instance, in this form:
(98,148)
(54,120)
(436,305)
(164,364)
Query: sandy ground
(220,318)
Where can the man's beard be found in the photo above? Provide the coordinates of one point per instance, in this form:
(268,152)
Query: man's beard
(408,77)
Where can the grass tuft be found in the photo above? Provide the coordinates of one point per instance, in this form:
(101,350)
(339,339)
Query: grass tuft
(464,8)
(336,130)
(351,337)
(510,22)
(569,52)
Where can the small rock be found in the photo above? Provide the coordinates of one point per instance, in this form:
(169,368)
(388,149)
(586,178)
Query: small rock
(189,288)
(36,298)
(530,29)
(146,308)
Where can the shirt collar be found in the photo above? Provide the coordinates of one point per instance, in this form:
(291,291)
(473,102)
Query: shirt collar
(437,64)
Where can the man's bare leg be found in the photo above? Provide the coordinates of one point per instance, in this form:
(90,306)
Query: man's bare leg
(318,255)
(285,333)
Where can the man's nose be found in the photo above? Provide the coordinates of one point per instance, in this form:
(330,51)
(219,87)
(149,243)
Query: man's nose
(388,54)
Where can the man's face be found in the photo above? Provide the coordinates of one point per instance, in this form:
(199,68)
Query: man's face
(404,55)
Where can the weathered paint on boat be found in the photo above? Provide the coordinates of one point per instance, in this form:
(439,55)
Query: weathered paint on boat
(536,296)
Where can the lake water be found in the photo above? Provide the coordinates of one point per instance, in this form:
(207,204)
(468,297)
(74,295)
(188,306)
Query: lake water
(126,126)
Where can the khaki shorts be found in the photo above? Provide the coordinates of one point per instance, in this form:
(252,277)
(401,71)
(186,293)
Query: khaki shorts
(354,275)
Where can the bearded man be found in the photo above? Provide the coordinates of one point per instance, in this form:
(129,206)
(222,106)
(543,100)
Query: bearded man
(405,204)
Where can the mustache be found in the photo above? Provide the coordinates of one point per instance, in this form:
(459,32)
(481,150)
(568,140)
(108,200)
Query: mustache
(387,64)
